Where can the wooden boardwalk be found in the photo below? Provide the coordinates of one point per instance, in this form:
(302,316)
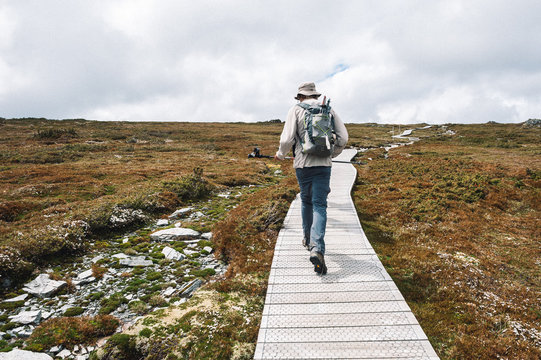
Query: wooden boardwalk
(353,312)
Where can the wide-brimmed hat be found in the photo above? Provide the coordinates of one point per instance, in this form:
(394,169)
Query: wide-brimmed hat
(307,89)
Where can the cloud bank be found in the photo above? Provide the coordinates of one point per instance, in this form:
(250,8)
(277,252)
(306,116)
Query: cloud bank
(386,62)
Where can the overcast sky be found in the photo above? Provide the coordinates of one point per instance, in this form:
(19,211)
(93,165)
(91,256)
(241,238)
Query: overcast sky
(379,61)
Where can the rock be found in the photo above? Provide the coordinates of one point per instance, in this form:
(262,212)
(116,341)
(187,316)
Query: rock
(532,123)
(162,222)
(46,314)
(208,249)
(172,254)
(191,287)
(101,342)
(125,240)
(64,354)
(17,354)
(180,302)
(180,212)
(207,235)
(169,291)
(84,278)
(27,317)
(18,298)
(174,234)
(55,349)
(278,172)
(43,287)
(136,261)
(95,259)
(22,331)
(197,215)
(82,357)
(120,256)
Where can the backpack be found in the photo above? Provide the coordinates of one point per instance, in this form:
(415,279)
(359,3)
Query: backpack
(316,136)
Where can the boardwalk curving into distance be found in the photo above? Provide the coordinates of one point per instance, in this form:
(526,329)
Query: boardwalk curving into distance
(353,312)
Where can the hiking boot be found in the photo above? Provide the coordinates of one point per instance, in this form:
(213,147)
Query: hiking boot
(318,260)
(306,244)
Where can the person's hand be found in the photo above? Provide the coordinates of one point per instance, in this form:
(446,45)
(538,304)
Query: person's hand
(277,158)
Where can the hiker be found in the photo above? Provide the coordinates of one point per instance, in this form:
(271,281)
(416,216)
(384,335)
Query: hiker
(313,167)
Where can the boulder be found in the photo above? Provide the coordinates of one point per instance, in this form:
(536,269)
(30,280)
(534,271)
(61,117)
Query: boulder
(120,256)
(17,354)
(27,317)
(172,254)
(43,286)
(180,212)
(174,234)
(207,235)
(136,261)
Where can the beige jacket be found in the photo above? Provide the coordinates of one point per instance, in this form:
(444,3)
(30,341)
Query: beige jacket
(291,132)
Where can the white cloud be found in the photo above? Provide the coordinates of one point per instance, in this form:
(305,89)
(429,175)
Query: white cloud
(392,61)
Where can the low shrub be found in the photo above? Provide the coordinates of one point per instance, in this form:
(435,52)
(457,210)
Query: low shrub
(190,187)
(68,331)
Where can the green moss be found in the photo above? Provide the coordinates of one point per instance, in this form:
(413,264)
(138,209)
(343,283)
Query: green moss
(126,345)
(8,326)
(203,243)
(11,305)
(71,331)
(112,303)
(95,295)
(74,311)
(5,346)
(203,272)
(146,332)
(138,270)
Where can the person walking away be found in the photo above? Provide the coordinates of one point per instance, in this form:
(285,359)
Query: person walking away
(308,130)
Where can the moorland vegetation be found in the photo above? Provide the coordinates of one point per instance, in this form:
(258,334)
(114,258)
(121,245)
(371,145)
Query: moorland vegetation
(454,217)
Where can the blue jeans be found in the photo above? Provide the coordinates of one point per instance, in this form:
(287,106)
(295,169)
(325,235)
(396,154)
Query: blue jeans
(314,184)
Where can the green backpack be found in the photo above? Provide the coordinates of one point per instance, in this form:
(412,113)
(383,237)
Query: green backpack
(316,136)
